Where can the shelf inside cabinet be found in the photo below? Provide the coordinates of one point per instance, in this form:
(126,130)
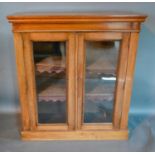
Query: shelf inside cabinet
(51,64)
(102,57)
(56,64)
(97,89)
(54,89)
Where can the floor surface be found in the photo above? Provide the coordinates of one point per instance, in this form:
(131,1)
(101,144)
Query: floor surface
(142,138)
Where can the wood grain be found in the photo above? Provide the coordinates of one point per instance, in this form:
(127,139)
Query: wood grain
(98,36)
(80,79)
(79,27)
(22,81)
(30,76)
(121,75)
(52,127)
(48,36)
(71,81)
(76,135)
(133,44)
(97,21)
(73,17)
(97,126)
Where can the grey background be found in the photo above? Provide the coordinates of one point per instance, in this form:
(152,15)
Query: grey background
(143,96)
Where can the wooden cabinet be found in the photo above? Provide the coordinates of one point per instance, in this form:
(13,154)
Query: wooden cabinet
(75,73)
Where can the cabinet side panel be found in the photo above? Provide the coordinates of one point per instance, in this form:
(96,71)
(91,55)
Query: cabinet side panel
(121,73)
(129,79)
(29,65)
(20,63)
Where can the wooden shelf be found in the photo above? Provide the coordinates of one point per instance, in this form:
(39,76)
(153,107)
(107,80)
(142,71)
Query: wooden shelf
(56,64)
(101,67)
(95,90)
(51,64)
(101,56)
(55,91)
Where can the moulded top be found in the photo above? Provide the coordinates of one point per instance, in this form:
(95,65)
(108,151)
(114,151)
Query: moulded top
(40,17)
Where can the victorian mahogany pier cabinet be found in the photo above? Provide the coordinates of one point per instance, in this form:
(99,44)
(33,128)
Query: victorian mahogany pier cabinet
(75,73)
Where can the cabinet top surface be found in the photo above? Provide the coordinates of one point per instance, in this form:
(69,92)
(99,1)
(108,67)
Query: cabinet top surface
(100,16)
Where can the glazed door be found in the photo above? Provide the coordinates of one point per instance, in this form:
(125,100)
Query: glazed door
(50,79)
(102,62)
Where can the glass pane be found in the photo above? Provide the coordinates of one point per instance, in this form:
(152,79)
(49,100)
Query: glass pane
(101,65)
(50,72)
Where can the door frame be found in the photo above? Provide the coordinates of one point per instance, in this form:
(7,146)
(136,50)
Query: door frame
(69,38)
(123,37)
